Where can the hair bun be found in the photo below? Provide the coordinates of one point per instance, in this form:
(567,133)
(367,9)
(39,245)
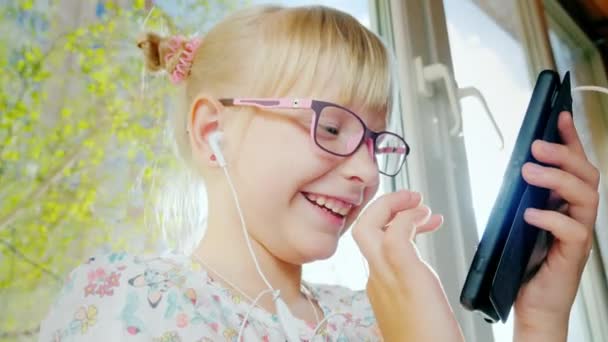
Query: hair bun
(174,54)
(150,44)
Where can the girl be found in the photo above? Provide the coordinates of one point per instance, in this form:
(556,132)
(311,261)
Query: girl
(285,122)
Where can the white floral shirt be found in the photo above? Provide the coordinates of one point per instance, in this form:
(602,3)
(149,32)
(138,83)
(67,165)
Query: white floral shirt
(169,298)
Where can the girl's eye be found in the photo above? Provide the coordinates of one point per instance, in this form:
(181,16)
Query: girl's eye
(331,130)
(327,131)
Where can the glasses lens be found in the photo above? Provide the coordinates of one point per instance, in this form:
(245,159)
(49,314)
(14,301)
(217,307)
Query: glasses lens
(391,151)
(338,131)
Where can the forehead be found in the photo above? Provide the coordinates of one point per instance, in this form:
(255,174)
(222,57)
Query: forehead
(373,113)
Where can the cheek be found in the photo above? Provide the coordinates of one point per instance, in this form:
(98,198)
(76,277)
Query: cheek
(282,146)
(370,192)
(277,157)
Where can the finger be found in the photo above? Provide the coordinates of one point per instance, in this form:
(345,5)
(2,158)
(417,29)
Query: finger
(566,159)
(410,219)
(572,189)
(568,132)
(397,242)
(582,199)
(434,223)
(367,231)
(576,237)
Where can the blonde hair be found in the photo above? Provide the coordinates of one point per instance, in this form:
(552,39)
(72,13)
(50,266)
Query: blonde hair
(270,51)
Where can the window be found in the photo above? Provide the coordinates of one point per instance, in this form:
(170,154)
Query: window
(488,55)
(488,51)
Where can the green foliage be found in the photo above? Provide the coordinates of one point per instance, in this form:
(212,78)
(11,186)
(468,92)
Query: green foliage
(79,141)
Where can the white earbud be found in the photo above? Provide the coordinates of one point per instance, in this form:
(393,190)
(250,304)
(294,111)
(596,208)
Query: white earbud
(215,140)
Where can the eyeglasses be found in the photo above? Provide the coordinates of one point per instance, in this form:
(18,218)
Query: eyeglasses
(339,131)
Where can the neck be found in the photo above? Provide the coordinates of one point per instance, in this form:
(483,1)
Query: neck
(225,250)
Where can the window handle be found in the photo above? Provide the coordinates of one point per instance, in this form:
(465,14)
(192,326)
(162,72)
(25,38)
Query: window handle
(427,74)
(474,92)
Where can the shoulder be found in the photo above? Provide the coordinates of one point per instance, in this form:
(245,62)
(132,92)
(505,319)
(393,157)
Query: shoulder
(101,296)
(343,298)
(355,312)
(104,276)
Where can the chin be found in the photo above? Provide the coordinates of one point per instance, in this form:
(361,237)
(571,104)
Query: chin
(316,247)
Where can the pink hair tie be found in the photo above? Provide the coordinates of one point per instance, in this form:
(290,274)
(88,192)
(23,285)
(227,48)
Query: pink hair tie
(180,56)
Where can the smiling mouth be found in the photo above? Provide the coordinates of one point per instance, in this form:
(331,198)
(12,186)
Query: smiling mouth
(333,206)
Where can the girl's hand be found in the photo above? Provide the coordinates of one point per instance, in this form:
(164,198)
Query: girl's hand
(406,296)
(543,305)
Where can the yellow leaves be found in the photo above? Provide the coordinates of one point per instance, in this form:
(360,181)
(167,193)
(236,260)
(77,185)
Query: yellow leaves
(89,143)
(111,26)
(19,110)
(70,44)
(26,5)
(34,54)
(10,155)
(139,4)
(66,112)
(68,130)
(42,230)
(36,150)
(79,32)
(34,115)
(101,123)
(83,125)
(21,66)
(30,65)
(67,172)
(131,153)
(148,174)
(97,155)
(111,5)
(41,76)
(90,197)
(51,211)
(100,77)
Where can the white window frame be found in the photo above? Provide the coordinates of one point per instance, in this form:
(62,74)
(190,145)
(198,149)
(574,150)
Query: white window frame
(437,166)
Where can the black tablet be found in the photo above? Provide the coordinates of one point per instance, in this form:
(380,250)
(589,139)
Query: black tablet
(510,250)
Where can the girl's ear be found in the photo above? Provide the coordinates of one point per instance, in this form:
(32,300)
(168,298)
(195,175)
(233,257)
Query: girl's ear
(204,118)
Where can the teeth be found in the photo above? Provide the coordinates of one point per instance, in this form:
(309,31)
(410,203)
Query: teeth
(334,205)
(331,204)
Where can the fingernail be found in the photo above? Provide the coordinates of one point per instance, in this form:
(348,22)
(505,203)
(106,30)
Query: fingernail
(535,169)
(531,214)
(421,213)
(546,147)
(415,196)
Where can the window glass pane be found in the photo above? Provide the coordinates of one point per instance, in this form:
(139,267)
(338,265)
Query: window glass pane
(487,54)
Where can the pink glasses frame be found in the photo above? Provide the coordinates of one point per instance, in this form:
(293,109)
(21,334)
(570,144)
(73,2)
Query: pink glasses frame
(317,106)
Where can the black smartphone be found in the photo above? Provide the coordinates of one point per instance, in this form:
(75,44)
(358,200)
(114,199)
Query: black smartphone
(511,251)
